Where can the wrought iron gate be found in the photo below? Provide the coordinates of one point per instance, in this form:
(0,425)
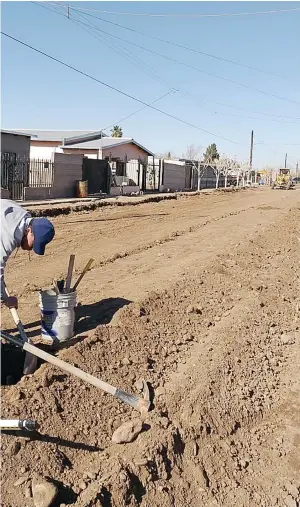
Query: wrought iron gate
(14,174)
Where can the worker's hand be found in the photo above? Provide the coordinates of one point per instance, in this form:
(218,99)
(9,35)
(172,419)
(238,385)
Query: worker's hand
(11,302)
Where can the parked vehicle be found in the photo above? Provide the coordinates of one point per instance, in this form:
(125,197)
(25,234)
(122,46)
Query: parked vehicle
(283,180)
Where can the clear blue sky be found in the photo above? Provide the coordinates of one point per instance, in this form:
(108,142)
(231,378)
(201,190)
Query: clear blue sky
(39,93)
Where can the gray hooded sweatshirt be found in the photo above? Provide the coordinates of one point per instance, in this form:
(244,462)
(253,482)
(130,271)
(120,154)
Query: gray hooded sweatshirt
(14,220)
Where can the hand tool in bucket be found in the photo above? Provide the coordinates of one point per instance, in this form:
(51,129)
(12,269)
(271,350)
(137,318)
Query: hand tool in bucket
(85,270)
(69,274)
(140,404)
(30,362)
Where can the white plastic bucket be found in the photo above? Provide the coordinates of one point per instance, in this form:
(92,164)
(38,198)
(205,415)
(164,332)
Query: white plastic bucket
(57,315)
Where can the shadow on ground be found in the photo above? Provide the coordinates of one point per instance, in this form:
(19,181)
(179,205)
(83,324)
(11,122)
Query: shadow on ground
(88,317)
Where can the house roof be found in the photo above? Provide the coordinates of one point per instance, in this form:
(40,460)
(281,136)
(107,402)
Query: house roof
(14,133)
(107,142)
(60,135)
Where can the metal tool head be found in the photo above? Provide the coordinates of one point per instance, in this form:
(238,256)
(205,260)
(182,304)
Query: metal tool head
(140,404)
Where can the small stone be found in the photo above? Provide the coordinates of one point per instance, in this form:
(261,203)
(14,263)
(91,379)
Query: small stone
(126,361)
(293,490)
(195,449)
(287,339)
(28,492)
(289,501)
(139,385)
(194,309)
(141,462)
(20,481)
(44,494)
(91,475)
(164,422)
(82,485)
(127,432)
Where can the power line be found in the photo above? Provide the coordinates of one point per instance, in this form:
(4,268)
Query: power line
(191,96)
(119,91)
(141,109)
(192,66)
(91,26)
(138,63)
(74,20)
(187,48)
(191,15)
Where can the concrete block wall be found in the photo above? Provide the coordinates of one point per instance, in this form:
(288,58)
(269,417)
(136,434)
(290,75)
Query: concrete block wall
(5,193)
(174,176)
(37,193)
(67,171)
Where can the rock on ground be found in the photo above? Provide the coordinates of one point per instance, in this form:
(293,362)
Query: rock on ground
(127,432)
(44,494)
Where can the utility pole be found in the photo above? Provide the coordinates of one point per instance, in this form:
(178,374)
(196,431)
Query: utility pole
(285,161)
(251,150)
(297,170)
(251,154)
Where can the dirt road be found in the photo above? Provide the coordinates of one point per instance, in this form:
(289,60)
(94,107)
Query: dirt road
(214,326)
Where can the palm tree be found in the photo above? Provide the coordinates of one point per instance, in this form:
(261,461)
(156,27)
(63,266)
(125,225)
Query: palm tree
(117,131)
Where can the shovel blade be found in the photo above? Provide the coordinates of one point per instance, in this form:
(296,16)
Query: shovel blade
(30,364)
(134,401)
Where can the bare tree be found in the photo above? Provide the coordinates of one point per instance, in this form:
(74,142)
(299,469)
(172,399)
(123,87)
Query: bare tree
(226,168)
(200,167)
(167,155)
(230,167)
(218,166)
(192,152)
(193,155)
(245,170)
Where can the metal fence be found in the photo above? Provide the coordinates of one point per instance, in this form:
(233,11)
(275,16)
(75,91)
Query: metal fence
(14,174)
(153,176)
(41,173)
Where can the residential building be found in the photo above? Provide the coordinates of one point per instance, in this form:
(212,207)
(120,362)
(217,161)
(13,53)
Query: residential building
(16,144)
(90,144)
(15,151)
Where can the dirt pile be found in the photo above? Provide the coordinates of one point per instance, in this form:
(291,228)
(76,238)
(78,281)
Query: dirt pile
(221,351)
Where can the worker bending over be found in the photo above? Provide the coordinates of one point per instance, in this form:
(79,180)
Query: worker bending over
(20,229)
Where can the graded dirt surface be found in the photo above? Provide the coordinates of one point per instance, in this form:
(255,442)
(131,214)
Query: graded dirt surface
(200,297)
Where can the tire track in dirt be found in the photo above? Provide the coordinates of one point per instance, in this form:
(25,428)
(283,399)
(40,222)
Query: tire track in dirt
(174,235)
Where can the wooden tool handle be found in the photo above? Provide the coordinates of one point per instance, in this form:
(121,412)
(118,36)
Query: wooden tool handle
(70,369)
(87,267)
(30,362)
(17,321)
(15,315)
(56,287)
(69,275)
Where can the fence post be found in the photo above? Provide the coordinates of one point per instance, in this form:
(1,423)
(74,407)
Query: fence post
(162,172)
(159,173)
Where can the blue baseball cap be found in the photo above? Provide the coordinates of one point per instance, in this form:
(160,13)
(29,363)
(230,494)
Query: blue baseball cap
(43,232)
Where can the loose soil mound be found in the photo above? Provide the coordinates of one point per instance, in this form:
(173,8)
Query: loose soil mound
(221,351)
